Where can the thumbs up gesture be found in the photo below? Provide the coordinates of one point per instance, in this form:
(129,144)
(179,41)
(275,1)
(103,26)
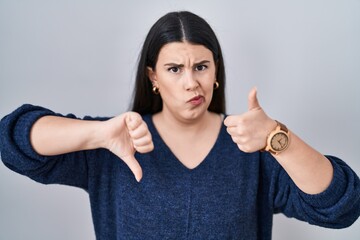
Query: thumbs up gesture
(250,129)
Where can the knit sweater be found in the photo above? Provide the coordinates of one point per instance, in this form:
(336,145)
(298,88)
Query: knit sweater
(230,195)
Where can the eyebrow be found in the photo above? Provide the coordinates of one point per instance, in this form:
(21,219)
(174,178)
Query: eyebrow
(182,65)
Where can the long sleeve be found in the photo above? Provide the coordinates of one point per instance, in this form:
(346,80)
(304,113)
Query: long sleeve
(337,207)
(18,154)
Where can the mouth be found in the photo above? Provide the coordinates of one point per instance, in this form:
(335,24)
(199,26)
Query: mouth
(197,100)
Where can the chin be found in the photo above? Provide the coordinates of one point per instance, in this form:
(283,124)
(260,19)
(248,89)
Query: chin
(194,113)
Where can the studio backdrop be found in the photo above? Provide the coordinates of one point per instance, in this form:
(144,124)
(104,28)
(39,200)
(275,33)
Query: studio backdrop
(80,57)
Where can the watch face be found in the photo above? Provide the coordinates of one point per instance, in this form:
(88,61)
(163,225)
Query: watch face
(279,141)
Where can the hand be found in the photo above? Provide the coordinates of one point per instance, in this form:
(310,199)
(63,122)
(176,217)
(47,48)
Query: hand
(126,134)
(250,130)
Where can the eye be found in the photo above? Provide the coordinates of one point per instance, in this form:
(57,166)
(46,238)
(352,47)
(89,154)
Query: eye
(200,68)
(174,69)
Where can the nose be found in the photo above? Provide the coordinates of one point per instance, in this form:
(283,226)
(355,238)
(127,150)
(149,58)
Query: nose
(190,81)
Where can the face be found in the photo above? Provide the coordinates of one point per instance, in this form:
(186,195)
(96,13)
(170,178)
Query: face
(185,74)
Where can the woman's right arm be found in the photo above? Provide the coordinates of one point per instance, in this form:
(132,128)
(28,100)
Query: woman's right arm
(55,135)
(52,134)
(122,135)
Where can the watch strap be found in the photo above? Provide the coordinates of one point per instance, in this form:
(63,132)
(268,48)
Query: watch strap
(282,126)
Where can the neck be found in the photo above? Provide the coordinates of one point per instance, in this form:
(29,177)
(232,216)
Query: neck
(169,122)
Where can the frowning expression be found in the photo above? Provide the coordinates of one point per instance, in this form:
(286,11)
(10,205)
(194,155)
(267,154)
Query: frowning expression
(185,74)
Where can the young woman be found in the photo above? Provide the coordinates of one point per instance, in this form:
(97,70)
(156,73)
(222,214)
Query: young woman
(199,174)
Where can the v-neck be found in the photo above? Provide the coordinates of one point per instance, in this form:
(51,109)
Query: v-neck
(168,152)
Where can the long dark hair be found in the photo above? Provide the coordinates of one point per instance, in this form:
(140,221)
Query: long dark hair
(176,27)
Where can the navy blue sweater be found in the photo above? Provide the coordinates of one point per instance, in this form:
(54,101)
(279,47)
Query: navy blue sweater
(230,195)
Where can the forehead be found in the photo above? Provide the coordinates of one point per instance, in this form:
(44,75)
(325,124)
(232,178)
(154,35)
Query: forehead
(184,51)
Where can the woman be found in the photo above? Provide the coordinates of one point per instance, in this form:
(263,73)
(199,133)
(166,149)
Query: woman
(198,173)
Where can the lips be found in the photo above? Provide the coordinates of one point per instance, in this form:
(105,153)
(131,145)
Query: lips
(196,100)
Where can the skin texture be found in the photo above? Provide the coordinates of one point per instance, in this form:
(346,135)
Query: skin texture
(122,135)
(183,71)
(309,169)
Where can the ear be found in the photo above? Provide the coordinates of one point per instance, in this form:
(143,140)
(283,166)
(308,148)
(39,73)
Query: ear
(151,75)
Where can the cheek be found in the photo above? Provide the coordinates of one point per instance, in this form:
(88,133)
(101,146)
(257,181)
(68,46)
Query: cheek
(208,83)
(170,91)
(167,93)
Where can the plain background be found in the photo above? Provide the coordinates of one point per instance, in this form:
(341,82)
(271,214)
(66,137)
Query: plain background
(80,57)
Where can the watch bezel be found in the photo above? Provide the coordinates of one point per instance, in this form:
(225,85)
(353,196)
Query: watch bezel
(282,148)
(280,129)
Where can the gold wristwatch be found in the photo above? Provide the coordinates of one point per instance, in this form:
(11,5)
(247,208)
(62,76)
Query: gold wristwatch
(278,140)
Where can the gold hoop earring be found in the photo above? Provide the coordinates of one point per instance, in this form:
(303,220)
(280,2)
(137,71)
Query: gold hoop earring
(155,90)
(216,85)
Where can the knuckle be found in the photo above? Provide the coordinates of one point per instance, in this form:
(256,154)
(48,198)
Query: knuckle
(142,149)
(151,147)
(239,131)
(148,139)
(234,139)
(227,120)
(245,148)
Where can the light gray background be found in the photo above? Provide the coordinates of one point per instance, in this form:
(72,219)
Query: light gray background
(80,56)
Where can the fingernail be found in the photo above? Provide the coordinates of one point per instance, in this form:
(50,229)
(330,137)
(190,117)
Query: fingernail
(138,179)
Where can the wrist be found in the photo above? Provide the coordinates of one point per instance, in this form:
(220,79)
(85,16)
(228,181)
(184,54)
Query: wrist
(278,140)
(95,135)
(269,126)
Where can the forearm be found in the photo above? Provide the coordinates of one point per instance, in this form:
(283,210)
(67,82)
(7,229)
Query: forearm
(51,135)
(311,171)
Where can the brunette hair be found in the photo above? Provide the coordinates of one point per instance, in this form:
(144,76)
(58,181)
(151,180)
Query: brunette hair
(176,27)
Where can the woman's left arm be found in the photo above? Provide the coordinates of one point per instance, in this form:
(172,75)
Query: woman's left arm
(311,171)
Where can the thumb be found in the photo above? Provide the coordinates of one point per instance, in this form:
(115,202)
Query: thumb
(253,102)
(134,166)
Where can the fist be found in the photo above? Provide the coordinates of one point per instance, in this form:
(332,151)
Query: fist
(127,134)
(250,129)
